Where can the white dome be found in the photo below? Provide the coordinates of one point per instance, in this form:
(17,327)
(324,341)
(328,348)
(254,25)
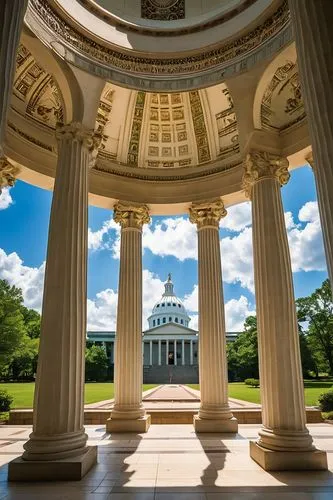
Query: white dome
(169,309)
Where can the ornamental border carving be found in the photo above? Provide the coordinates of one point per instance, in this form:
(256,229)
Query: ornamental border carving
(114,21)
(160,66)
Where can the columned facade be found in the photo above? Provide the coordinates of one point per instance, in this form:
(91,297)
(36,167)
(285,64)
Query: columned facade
(128,413)
(214,414)
(312,23)
(284,440)
(57,446)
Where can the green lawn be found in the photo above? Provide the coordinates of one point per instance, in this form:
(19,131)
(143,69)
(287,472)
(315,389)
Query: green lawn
(23,392)
(312,391)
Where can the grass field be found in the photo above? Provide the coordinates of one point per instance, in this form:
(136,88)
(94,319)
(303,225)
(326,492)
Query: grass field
(23,392)
(312,391)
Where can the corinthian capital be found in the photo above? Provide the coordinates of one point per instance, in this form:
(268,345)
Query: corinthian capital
(260,165)
(8,173)
(207,213)
(130,215)
(76,131)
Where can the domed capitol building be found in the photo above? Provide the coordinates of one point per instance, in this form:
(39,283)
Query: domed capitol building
(169,346)
(163,108)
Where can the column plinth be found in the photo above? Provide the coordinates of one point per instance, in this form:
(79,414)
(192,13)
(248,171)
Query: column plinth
(214,413)
(128,413)
(284,440)
(58,440)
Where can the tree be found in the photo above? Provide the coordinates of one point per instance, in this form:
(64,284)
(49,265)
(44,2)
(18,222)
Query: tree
(243,352)
(12,327)
(317,310)
(32,320)
(96,363)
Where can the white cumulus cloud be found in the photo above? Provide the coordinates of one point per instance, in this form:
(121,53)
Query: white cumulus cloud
(5,199)
(29,279)
(238,217)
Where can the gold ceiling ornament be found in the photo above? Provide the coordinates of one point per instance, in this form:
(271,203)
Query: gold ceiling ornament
(259,165)
(130,215)
(208,213)
(8,173)
(163,10)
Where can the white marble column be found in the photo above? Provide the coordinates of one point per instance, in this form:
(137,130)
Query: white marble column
(284,440)
(191,352)
(128,413)
(312,23)
(159,353)
(183,352)
(166,352)
(214,414)
(11,22)
(175,351)
(150,352)
(58,438)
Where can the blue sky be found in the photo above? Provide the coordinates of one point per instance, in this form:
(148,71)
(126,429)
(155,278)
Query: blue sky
(169,245)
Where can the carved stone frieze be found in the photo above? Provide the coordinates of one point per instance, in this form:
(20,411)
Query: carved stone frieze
(207,213)
(260,165)
(168,65)
(133,148)
(8,173)
(199,126)
(130,215)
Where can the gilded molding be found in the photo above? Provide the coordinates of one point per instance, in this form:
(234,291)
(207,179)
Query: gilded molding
(8,173)
(157,66)
(207,213)
(199,126)
(260,165)
(134,143)
(131,216)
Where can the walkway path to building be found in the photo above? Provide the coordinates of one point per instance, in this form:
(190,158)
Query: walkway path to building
(171,462)
(171,396)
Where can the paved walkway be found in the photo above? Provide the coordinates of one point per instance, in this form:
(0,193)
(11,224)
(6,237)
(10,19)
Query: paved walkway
(172,396)
(171,462)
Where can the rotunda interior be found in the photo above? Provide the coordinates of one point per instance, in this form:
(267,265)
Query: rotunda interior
(157,107)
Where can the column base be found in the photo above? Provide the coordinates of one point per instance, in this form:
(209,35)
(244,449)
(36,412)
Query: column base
(215,425)
(288,460)
(67,469)
(138,425)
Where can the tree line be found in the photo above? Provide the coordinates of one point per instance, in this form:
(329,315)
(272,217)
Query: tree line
(19,340)
(20,332)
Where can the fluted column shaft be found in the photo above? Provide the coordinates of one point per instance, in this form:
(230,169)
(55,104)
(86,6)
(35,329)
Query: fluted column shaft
(213,374)
(11,21)
(282,393)
(58,430)
(312,23)
(128,362)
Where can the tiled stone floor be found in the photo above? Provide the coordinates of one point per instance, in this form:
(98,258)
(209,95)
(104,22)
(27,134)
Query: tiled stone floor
(171,462)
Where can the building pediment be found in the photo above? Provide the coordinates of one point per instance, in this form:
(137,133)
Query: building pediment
(170,329)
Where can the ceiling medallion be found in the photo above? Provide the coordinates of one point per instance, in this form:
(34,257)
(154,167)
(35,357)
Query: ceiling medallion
(163,10)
